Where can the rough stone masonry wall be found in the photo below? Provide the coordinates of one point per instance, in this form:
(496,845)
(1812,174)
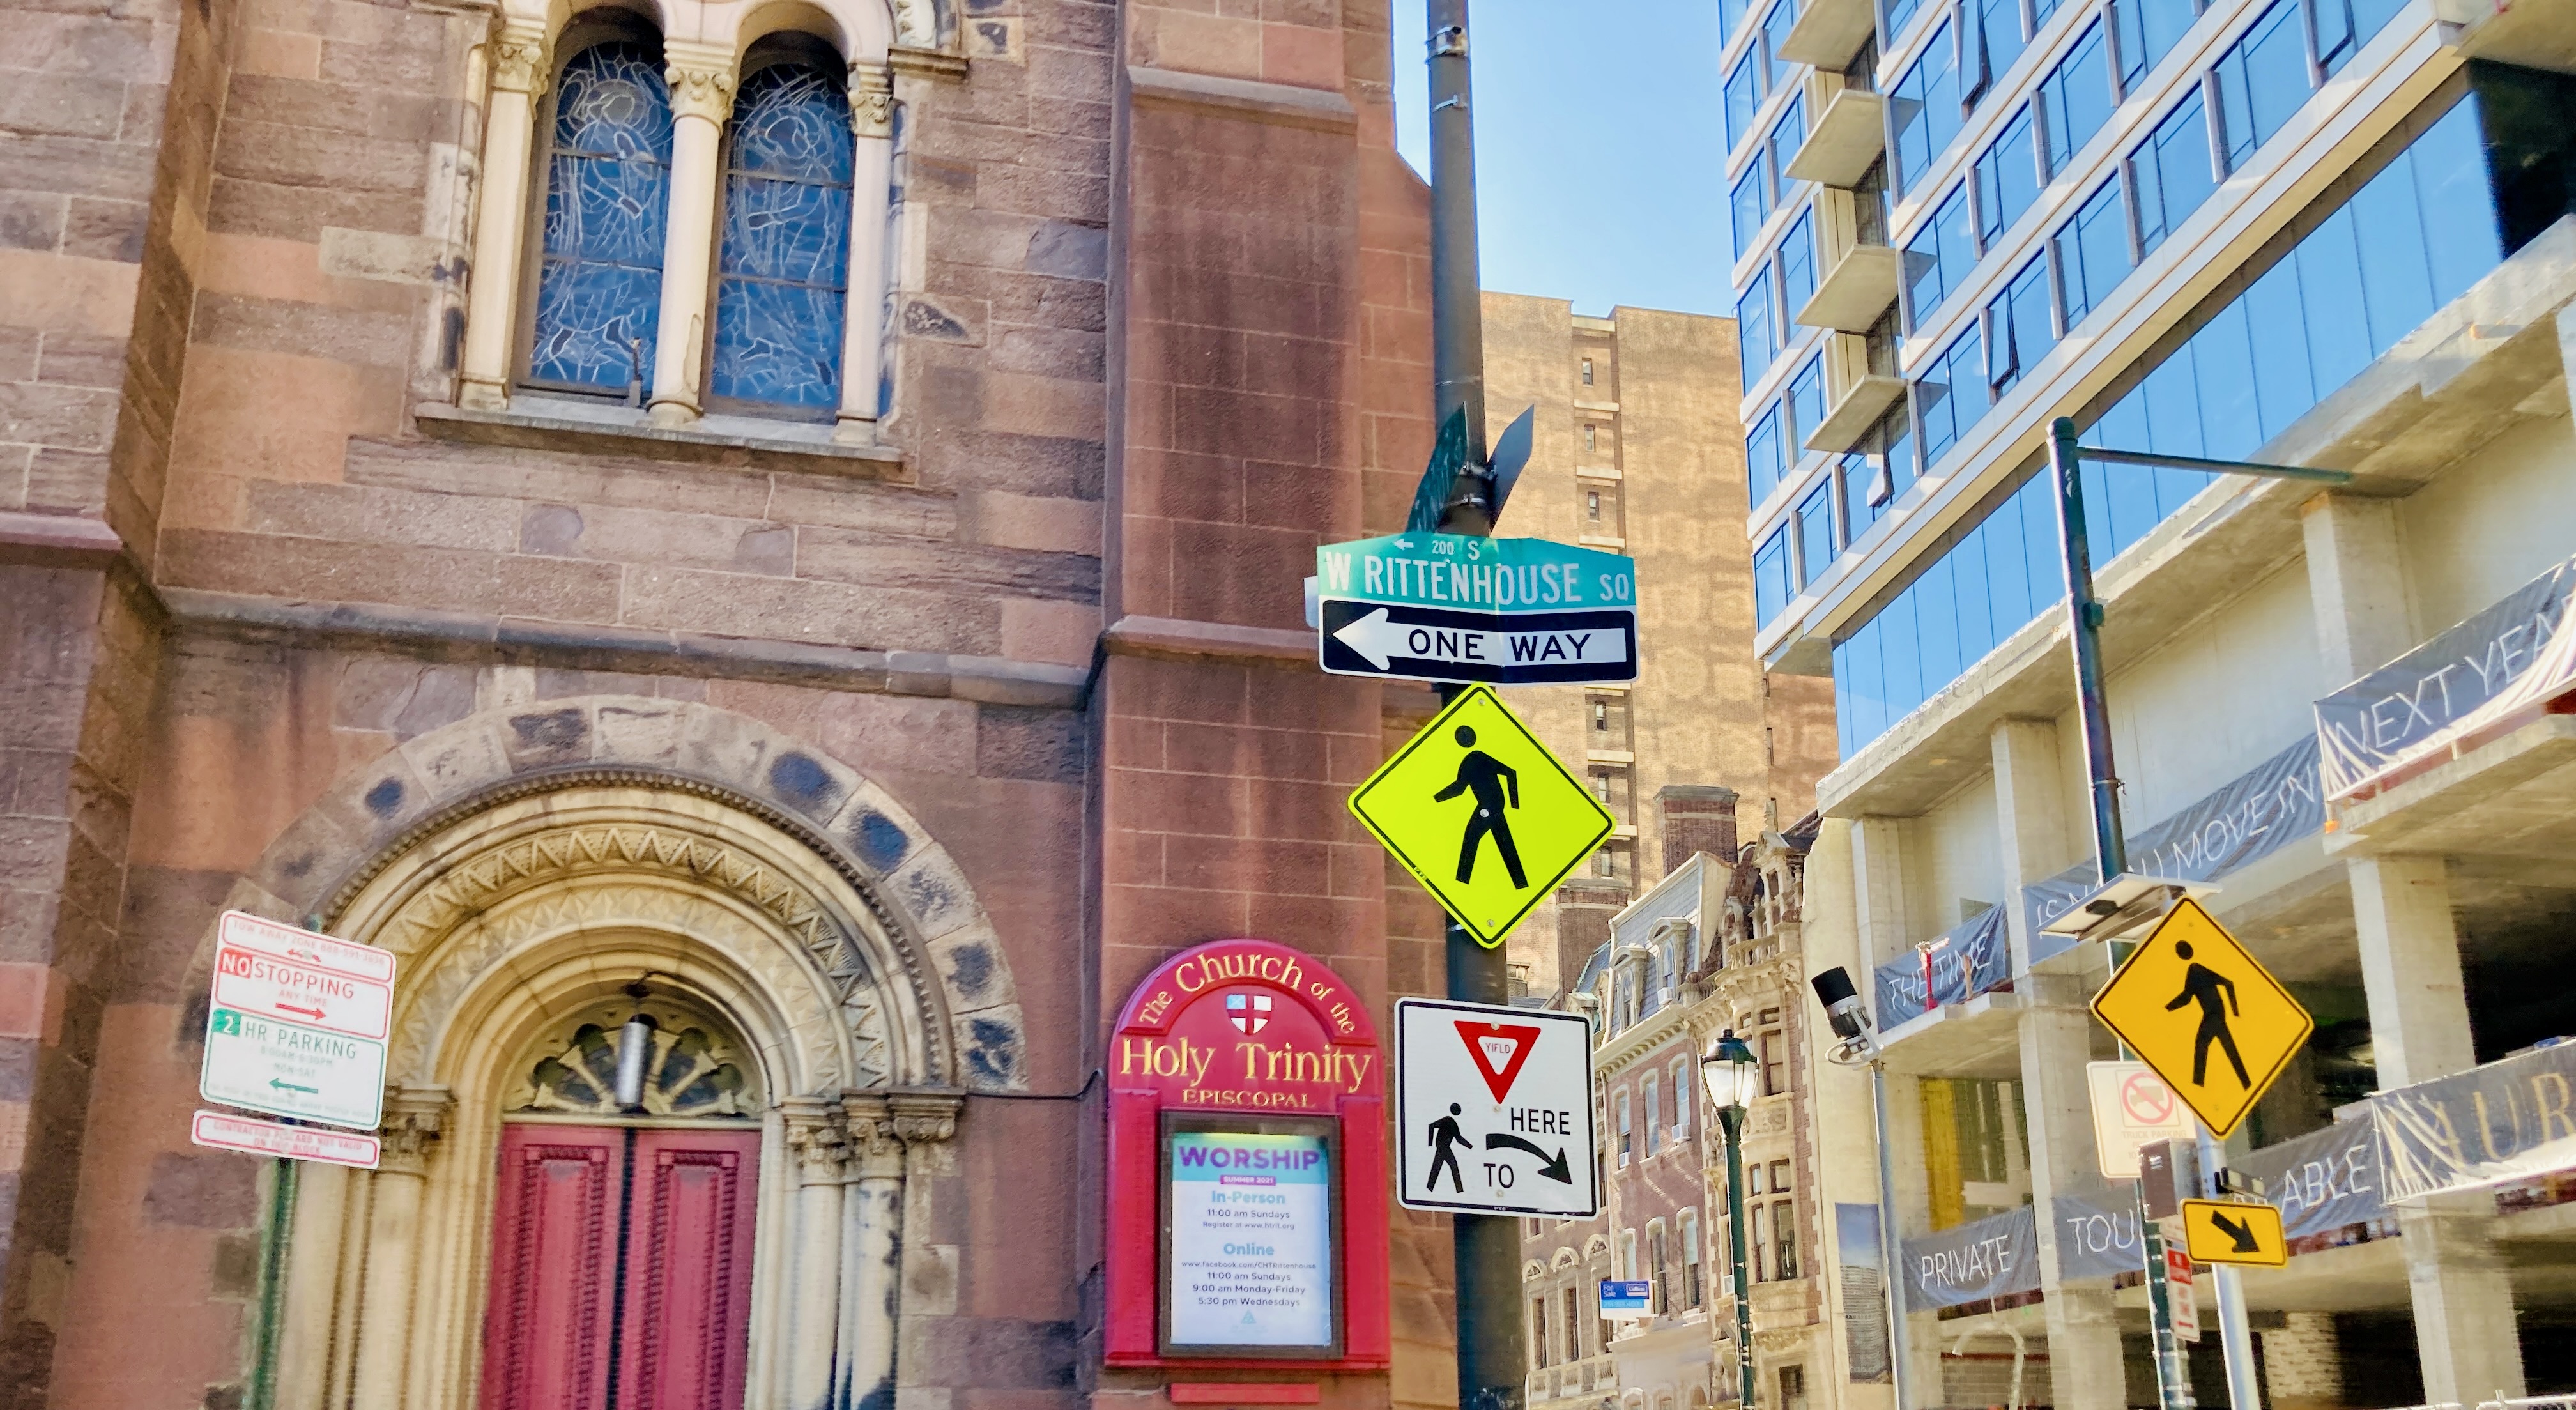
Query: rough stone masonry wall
(1270,393)
(107,116)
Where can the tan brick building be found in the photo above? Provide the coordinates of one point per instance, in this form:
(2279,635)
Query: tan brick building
(785,520)
(1636,449)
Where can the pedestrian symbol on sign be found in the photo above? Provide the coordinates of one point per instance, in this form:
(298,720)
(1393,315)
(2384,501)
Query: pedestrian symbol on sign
(2191,987)
(1446,1138)
(2202,984)
(1487,778)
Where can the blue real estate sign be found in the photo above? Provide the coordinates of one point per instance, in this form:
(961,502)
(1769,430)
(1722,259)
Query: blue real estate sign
(1454,607)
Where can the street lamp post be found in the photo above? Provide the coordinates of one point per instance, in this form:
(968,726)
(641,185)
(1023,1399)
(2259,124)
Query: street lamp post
(1733,1080)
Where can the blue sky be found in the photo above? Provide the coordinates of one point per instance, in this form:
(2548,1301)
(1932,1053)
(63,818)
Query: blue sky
(1599,160)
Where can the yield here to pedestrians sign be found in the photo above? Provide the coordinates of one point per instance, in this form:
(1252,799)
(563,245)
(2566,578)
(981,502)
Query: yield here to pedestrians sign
(1481,814)
(2195,1006)
(1493,1109)
(1455,607)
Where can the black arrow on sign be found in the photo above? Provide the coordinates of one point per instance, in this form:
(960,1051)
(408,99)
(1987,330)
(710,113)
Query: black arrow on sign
(1555,1168)
(2243,1234)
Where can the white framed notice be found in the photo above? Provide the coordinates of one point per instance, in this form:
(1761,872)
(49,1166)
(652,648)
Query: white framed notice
(1251,1237)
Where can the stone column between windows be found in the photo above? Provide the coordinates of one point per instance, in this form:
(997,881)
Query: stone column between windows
(520,68)
(702,83)
(2465,1334)
(864,312)
(1878,912)
(2411,973)
(2056,1037)
(814,1140)
(414,1119)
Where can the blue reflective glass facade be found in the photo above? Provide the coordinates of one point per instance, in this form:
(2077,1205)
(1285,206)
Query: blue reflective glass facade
(1923,111)
(2262,79)
(2007,179)
(2411,239)
(608,187)
(1815,533)
(1764,462)
(2148,30)
(1806,403)
(1797,269)
(1771,577)
(1755,340)
(784,263)
(2076,97)
(2092,250)
(2171,172)
(1939,256)
(2021,326)
(1747,207)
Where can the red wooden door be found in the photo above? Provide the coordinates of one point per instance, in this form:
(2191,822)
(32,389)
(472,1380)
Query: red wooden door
(674,1208)
(688,1270)
(554,1256)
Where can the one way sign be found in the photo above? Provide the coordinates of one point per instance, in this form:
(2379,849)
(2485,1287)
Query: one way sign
(1429,643)
(1494,1110)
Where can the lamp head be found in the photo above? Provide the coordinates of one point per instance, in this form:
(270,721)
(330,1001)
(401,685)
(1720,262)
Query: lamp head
(1731,1073)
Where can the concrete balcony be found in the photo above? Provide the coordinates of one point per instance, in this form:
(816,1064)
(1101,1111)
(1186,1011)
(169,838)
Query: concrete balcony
(1860,385)
(1828,32)
(1846,131)
(1859,266)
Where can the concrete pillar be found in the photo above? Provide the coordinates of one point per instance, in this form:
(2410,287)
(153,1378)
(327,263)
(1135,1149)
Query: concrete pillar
(2056,1042)
(864,313)
(520,69)
(814,1139)
(702,83)
(414,1118)
(1878,897)
(2419,1030)
(313,1246)
(873,1215)
(2356,584)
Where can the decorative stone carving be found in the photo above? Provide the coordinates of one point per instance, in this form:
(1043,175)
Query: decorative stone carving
(921,1117)
(415,1117)
(871,100)
(520,63)
(916,23)
(815,1139)
(876,1150)
(700,91)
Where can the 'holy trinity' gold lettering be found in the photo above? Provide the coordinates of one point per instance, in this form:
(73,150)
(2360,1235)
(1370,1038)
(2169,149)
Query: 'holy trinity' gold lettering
(1330,1066)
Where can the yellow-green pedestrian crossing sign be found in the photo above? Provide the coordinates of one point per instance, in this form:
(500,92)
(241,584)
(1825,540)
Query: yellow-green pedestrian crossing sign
(1482,814)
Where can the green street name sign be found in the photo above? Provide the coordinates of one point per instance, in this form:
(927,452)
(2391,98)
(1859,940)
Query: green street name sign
(1465,573)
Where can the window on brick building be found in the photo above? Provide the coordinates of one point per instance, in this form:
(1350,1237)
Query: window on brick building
(1659,1265)
(1587,372)
(608,187)
(1692,1290)
(1538,1333)
(782,269)
(1683,1099)
(1573,1324)
(1627,1132)
(1773,1046)
(1784,1238)
(1653,1100)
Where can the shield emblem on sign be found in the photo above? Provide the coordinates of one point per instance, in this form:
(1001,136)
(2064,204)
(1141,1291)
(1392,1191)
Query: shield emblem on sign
(1250,1012)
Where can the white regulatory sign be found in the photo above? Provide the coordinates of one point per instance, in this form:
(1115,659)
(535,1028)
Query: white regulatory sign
(297,1023)
(2133,1107)
(1494,1110)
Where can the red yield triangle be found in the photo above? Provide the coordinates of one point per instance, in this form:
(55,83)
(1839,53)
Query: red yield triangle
(1498,1076)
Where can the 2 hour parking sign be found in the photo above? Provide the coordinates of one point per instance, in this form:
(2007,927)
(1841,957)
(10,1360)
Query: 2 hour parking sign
(1494,1110)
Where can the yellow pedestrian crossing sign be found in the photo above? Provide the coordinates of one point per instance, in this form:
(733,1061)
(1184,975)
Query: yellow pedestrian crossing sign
(2232,1231)
(2195,1006)
(1481,814)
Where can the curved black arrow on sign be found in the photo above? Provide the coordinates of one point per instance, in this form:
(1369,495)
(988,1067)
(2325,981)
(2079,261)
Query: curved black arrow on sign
(1555,1168)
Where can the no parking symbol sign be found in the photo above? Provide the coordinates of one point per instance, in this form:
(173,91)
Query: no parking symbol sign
(2132,1107)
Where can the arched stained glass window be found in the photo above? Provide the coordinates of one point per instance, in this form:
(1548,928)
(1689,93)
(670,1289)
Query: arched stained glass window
(599,292)
(781,276)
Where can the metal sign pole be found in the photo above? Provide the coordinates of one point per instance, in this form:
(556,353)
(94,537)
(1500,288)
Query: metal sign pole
(1491,1359)
(2235,1331)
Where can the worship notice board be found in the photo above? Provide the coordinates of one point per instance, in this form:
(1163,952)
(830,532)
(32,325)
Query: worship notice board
(1250,1231)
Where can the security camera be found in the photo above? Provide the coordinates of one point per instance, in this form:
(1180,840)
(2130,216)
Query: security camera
(1842,1003)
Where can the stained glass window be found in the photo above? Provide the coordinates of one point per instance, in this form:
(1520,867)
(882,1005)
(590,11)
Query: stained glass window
(608,184)
(786,255)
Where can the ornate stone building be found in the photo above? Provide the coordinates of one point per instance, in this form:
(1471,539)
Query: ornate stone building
(768,531)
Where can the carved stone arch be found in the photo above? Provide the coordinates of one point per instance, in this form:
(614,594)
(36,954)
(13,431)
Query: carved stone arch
(632,789)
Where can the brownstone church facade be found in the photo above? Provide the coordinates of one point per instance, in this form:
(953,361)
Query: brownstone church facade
(782,521)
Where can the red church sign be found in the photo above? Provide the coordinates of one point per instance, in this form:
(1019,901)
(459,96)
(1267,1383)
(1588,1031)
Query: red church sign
(1247,1167)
